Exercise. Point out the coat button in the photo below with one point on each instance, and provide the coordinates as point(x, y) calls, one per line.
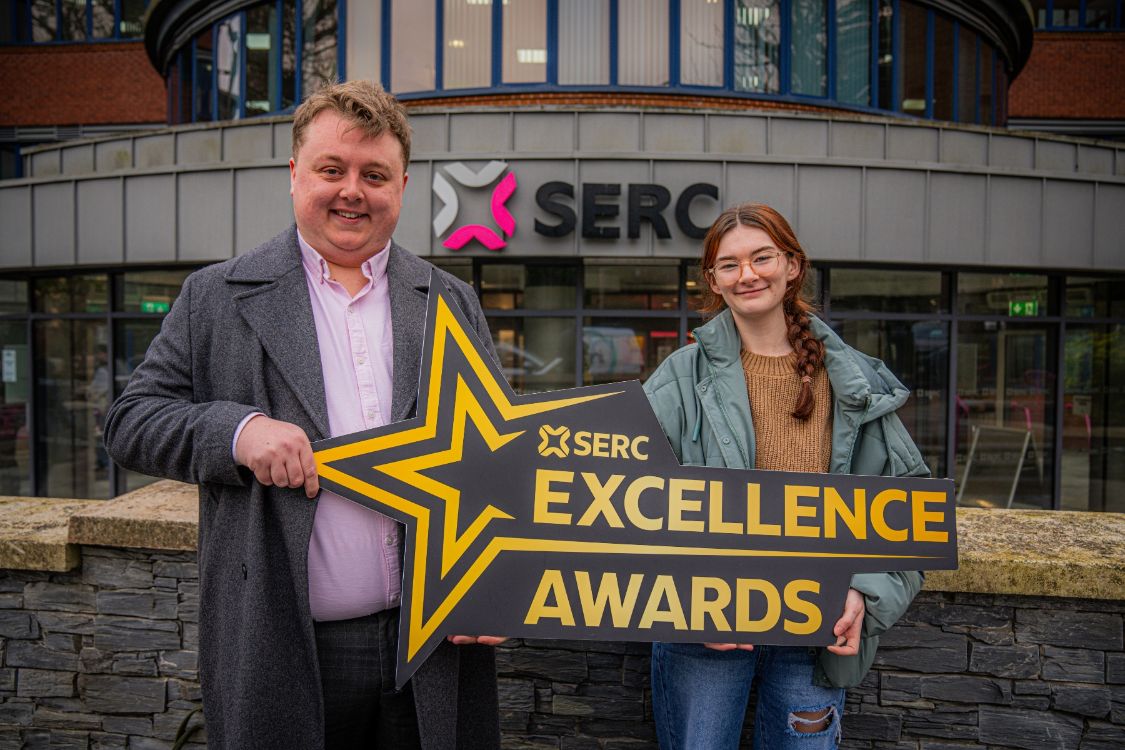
point(390, 540)
point(726, 441)
point(702, 389)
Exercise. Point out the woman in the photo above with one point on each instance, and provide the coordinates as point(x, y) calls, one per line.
point(769, 386)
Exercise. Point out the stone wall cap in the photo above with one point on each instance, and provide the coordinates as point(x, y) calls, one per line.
point(34, 533)
point(163, 515)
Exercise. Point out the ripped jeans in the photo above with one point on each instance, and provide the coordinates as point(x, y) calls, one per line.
point(699, 698)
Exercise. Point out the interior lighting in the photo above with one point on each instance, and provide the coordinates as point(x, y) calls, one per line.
point(914, 104)
point(531, 55)
point(258, 40)
point(458, 43)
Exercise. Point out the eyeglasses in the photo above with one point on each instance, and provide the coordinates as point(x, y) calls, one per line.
point(762, 264)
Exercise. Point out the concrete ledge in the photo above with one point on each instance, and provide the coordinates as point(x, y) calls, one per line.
point(164, 515)
point(34, 532)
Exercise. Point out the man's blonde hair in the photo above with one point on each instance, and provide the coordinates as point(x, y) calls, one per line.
point(364, 104)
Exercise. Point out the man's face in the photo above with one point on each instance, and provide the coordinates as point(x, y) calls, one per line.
point(347, 189)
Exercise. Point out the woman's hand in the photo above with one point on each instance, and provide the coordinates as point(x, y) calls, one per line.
point(484, 640)
point(849, 626)
point(730, 646)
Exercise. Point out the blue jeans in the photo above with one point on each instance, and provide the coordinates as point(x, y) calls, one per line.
point(699, 697)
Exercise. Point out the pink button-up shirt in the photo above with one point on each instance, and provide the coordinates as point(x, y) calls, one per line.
point(354, 566)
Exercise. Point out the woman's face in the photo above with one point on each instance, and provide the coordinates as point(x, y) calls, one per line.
point(750, 273)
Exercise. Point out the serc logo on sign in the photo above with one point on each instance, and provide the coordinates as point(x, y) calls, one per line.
point(466, 233)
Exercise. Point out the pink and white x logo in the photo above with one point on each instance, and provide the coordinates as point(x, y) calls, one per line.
point(470, 179)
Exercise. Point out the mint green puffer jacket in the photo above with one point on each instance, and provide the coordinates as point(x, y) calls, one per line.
point(699, 396)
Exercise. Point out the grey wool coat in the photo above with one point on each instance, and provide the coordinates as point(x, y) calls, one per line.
point(240, 338)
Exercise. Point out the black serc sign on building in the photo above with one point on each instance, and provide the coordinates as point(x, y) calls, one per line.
point(601, 206)
point(567, 515)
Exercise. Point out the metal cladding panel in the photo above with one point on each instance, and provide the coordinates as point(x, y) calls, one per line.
point(427, 134)
point(673, 134)
point(46, 163)
point(792, 137)
point(155, 151)
point(1095, 160)
point(413, 230)
point(114, 155)
point(544, 132)
point(703, 210)
point(1056, 156)
point(525, 240)
point(54, 223)
point(857, 140)
point(247, 143)
point(906, 143)
point(205, 207)
point(263, 207)
point(1120, 161)
point(283, 140)
point(1011, 151)
point(480, 133)
point(895, 215)
point(957, 218)
point(78, 160)
point(736, 134)
point(1068, 224)
point(1109, 227)
point(963, 147)
point(15, 217)
point(199, 146)
point(829, 211)
point(609, 132)
point(616, 173)
point(772, 184)
point(150, 218)
point(101, 237)
point(1014, 210)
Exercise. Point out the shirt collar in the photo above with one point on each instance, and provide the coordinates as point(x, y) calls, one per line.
point(316, 267)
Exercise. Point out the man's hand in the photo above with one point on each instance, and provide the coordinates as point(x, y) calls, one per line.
point(484, 640)
point(279, 453)
point(849, 626)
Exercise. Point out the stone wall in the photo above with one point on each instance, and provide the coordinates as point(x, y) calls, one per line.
point(100, 657)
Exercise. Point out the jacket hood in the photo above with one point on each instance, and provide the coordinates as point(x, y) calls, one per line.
point(858, 380)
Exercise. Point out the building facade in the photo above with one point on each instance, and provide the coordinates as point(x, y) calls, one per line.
point(568, 156)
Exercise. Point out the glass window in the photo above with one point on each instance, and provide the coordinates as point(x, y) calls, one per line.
point(13, 296)
point(1016, 295)
point(318, 44)
point(584, 42)
point(10, 29)
point(525, 41)
point(102, 18)
point(44, 21)
point(73, 17)
point(1099, 14)
point(885, 290)
point(757, 36)
point(966, 75)
point(917, 352)
point(701, 43)
point(71, 294)
point(888, 94)
point(150, 291)
point(132, 13)
point(853, 51)
point(943, 68)
point(201, 81)
point(536, 354)
point(228, 61)
point(632, 286)
point(72, 391)
point(808, 48)
point(1005, 414)
point(1039, 9)
point(131, 341)
point(468, 45)
point(288, 53)
point(913, 53)
point(1064, 13)
point(1001, 92)
point(261, 63)
point(642, 42)
point(462, 268)
point(412, 46)
point(528, 286)
point(1095, 297)
point(1093, 444)
point(693, 285)
point(15, 467)
point(616, 349)
point(987, 55)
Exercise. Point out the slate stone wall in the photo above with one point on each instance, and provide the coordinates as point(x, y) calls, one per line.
point(105, 657)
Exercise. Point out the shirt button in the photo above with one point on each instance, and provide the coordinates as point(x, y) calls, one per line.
point(360, 360)
point(390, 540)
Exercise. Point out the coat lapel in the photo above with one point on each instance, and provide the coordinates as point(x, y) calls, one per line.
point(408, 281)
point(275, 304)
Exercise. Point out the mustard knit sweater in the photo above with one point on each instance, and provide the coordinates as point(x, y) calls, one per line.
point(785, 443)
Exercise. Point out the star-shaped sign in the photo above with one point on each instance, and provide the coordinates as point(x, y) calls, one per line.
point(566, 515)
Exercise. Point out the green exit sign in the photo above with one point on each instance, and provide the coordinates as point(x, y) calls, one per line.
point(1023, 308)
point(154, 306)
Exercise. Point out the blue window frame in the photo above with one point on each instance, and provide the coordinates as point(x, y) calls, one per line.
point(20, 25)
point(1080, 15)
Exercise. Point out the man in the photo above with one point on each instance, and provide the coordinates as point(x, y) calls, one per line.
point(316, 333)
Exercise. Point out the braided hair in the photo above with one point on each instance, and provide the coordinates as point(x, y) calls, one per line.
point(809, 349)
